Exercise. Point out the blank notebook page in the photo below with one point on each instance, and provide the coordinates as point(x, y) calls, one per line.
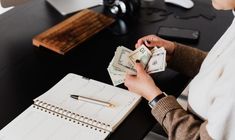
point(56, 116)
point(34, 124)
point(123, 100)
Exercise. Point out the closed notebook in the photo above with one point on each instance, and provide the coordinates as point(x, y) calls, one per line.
point(56, 116)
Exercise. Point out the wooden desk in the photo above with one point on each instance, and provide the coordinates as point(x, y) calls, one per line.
point(27, 71)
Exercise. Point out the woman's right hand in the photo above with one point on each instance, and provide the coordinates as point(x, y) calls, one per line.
point(153, 40)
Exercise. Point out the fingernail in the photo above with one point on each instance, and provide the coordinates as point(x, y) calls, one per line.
point(137, 61)
point(145, 42)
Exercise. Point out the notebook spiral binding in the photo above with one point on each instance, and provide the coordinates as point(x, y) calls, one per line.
point(70, 116)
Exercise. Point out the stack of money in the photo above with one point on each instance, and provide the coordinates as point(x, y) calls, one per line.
point(124, 61)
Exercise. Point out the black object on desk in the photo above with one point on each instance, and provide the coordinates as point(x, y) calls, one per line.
point(178, 34)
point(119, 27)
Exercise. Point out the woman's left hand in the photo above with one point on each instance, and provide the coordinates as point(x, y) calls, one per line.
point(142, 83)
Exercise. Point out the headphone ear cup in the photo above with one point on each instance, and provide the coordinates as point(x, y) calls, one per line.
point(132, 6)
point(121, 8)
point(114, 10)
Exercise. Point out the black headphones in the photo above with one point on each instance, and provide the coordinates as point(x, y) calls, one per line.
point(121, 8)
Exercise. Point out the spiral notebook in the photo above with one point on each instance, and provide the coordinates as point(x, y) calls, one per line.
point(56, 116)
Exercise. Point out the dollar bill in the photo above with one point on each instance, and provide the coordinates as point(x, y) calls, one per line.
point(117, 75)
point(124, 61)
point(143, 54)
point(157, 63)
point(116, 79)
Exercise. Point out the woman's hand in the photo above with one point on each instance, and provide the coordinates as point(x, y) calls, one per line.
point(142, 83)
point(153, 40)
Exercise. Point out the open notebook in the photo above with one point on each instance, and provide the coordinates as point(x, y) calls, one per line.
point(56, 116)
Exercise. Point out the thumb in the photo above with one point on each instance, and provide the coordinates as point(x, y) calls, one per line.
point(139, 68)
point(148, 43)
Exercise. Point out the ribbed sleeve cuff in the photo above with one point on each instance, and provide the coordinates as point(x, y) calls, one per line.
point(163, 106)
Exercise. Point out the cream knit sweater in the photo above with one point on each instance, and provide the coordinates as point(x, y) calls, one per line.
point(211, 93)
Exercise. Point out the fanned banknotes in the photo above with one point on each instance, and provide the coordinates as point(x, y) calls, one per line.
point(124, 61)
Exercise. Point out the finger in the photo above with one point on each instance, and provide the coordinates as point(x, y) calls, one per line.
point(130, 72)
point(139, 43)
point(146, 39)
point(139, 68)
point(129, 75)
point(147, 43)
point(150, 40)
point(129, 79)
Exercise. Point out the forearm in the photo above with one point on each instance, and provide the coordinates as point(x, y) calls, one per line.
point(186, 60)
point(178, 123)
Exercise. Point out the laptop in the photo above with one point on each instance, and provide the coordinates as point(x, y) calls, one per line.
point(10, 3)
point(69, 6)
point(6, 5)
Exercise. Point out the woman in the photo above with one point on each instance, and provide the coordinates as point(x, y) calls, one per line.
point(211, 93)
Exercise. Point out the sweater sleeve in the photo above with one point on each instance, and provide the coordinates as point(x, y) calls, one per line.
point(187, 60)
point(178, 123)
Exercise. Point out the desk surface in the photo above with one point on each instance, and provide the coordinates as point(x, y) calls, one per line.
point(26, 71)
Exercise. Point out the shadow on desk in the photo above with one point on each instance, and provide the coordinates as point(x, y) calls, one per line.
point(171, 82)
point(157, 133)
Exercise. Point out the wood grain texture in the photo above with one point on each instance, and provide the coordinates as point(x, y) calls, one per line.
point(73, 31)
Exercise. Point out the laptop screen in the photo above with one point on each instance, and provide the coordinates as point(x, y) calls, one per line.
point(69, 6)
